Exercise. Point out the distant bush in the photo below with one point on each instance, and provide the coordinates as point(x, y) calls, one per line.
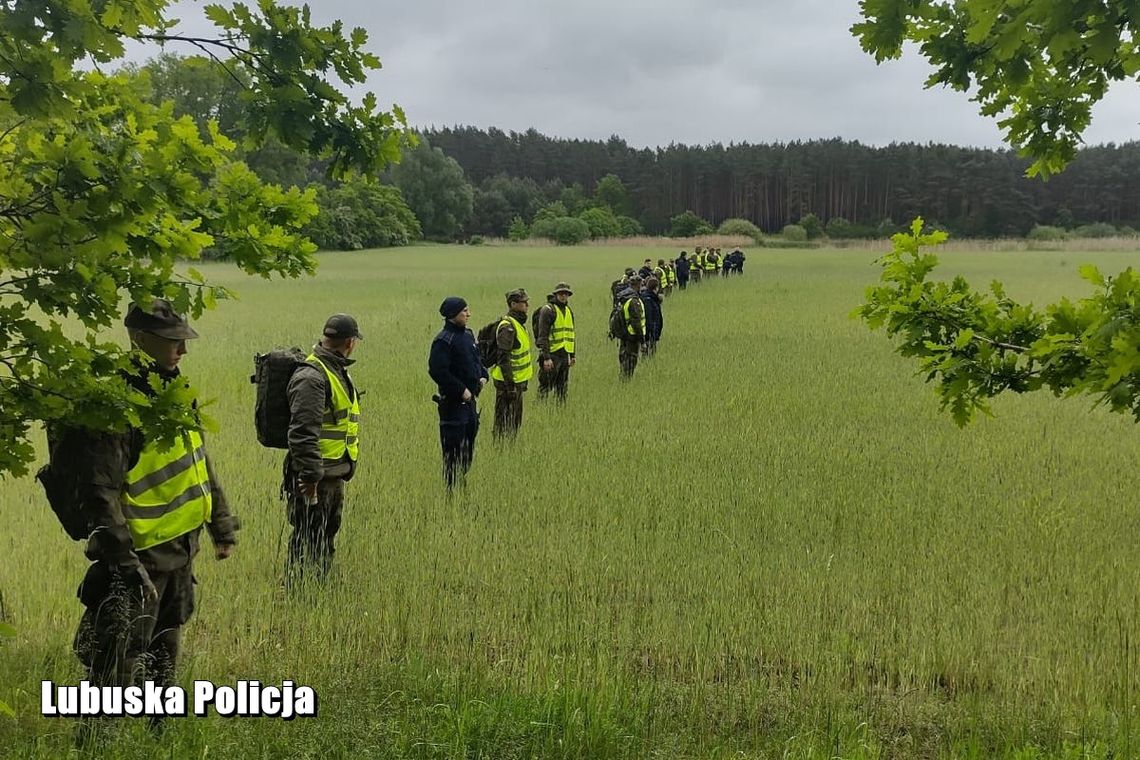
point(794, 233)
point(688, 224)
point(565, 230)
point(739, 227)
point(1097, 230)
point(554, 210)
point(518, 229)
point(570, 231)
point(475, 240)
point(1127, 231)
point(838, 227)
point(361, 214)
point(1045, 233)
point(812, 225)
point(629, 226)
point(601, 221)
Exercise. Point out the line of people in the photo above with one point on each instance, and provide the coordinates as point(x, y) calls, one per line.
point(141, 503)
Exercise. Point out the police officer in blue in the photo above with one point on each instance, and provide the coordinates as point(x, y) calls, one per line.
point(455, 367)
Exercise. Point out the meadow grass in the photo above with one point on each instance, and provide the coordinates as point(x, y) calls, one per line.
point(768, 544)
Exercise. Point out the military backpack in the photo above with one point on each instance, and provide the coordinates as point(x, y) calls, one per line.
point(271, 374)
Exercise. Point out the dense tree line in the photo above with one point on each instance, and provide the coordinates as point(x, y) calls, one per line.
point(969, 191)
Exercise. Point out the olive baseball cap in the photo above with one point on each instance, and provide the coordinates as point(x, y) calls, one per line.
point(161, 320)
point(341, 326)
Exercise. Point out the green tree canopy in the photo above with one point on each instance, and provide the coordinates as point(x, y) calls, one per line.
point(1037, 65)
point(435, 188)
point(102, 191)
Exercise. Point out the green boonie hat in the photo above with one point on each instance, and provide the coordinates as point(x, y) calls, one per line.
point(516, 295)
point(161, 320)
point(562, 288)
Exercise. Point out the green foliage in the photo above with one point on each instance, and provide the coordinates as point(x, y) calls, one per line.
point(1064, 219)
point(102, 192)
point(688, 224)
point(629, 227)
point(794, 233)
point(1097, 230)
point(611, 193)
point(435, 188)
point(1039, 67)
point(812, 225)
point(1046, 233)
point(601, 222)
point(977, 345)
point(838, 228)
point(569, 230)
point(475, 240)
point(553, 210)
point(573, 197)
point(739, 227)
point(518, 229)
point(362, 214)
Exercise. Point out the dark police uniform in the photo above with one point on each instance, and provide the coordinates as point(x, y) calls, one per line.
point(454, 365)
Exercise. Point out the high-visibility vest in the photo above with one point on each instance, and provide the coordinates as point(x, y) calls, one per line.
point(659, 273)
point(562, 332)
point(167, 493)
point(521, 367)
point(340, 426)
point(700, 258)
point(671, 273)
point(629, 320)
point(710, 263)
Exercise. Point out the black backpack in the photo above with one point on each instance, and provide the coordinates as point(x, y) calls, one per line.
point(488, 342)
point(617, 321)
point(271, 374)
point(60, 479)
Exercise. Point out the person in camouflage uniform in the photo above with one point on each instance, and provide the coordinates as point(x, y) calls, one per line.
point(324, 415)
point(515, 366)
point(555, 340)
point(146, 505)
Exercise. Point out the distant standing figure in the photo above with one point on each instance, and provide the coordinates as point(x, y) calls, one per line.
point(515, 367)
point(554, 338)
point(459, 375)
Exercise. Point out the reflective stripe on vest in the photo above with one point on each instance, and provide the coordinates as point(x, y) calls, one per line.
point(340, 425)
point(562, 333)
point(629, 320)
point(167, 493)
point(521, 367)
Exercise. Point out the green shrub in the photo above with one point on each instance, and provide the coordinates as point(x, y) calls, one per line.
point(688, 224)
point(812, 225)
point(554, 210)
point(601, 221)
point(518, 229)
point(739, 227)
point(1097, 230)
point(1045, 232)
point(630, 227)
point(794, 233)
point(361, 214)
point(475, 240)
point(570, 231)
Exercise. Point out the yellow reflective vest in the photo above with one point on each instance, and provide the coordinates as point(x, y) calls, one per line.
point(340, 426)
point(521, 367)
point(167, 493)
point(629, 326)
point(562, 332)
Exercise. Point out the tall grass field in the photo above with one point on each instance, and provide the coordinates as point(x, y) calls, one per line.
point(769, 543)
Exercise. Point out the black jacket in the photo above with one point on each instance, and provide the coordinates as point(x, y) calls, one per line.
point(654, 320)
point(454, 365)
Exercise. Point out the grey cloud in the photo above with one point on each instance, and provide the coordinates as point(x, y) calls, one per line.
point(663, 71)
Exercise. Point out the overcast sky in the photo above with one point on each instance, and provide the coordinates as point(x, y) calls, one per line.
point(662, 71)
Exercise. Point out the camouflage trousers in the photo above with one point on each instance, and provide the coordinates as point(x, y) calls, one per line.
point(628, 351)
point(508, 409)
point(557, 379)
point(124, 639)
point(311, 545)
